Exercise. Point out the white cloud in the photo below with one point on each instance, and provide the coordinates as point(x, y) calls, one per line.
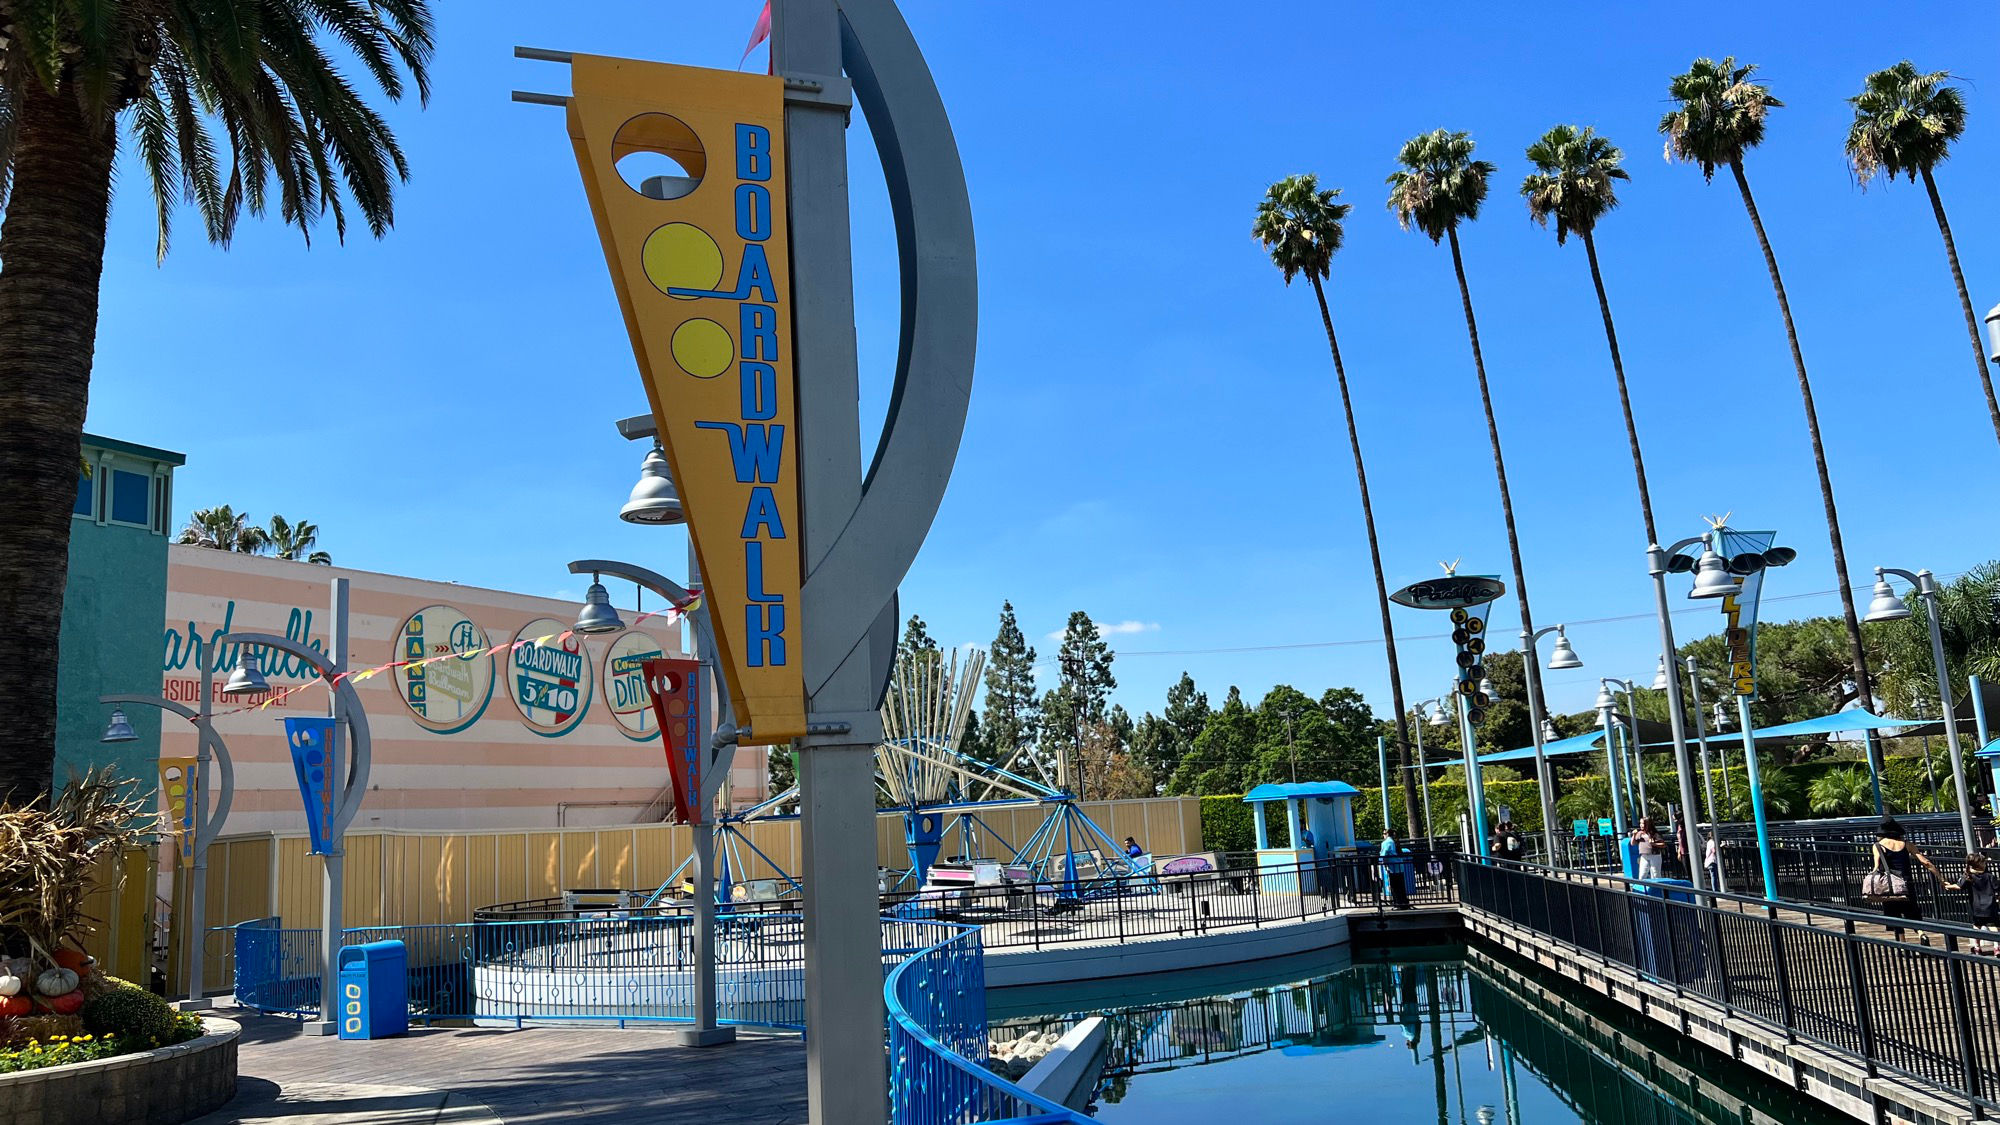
point(1115, 629)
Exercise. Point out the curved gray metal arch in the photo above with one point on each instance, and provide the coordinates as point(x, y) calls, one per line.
point(906, 480)
point(205, 731)
point(345, 699)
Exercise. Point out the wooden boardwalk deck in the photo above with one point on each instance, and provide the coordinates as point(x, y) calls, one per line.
point(578, 1076)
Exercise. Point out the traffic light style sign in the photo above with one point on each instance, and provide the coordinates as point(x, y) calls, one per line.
point(702, 264)
point(1468, 633)
point(177, 783)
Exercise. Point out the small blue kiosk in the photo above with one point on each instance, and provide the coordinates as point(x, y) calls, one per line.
point(1324, 807)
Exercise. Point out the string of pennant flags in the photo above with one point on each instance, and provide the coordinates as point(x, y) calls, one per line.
point(672, 615)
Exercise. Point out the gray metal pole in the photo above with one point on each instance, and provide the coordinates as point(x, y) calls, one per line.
point(1616, 782)
point(1423, 774)
point(335, 861)
point(1757, 797)
point(1707, 776)
point(1656, 563)
point(1475, 782)
point(707, 1030)
point(1632, 744)
point(1547, 782)
point(197, 883)
point(1927, 591)
point(846, 1069)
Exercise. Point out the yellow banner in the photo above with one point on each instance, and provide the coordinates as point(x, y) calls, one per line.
point(702, 268)
point(177, 785)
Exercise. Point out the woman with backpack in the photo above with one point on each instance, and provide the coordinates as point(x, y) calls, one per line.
point(1889, 883)
point(1980, 889)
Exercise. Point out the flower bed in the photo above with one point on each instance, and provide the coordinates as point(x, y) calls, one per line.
point(162, 1086)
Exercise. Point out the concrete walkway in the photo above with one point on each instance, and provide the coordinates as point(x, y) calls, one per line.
point(484, 1076)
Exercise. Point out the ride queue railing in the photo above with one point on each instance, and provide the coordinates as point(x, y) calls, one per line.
point(1150, 905)
point(1929, 1013)
point(935, 998)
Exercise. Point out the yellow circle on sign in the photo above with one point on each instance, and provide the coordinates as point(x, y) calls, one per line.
point(703, 348)
point(679, 256)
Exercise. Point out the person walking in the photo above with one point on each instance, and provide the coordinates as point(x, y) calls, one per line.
point(1652, 848)
point(1889, 883)
point(1983, 909)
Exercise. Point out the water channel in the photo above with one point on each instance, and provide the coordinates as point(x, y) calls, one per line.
point(1452, 1036)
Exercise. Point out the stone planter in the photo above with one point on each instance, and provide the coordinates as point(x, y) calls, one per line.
point(161, 1087)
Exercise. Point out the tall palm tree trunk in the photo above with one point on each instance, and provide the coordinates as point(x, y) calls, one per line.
point(1856, 654)
point(1530, 668)
point(1624, 395)
point(1381, 584)
point(1964, 302)
point(52, 247)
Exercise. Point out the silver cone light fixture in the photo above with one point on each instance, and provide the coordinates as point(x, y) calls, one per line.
point(1712, 578)
point(1660, 680)
point(119, 729)
point(1885, 605)
point(654, 499)
point(1564, 657)
point(598, 614)
point(247, 679)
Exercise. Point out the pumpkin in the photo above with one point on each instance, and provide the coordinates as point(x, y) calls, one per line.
point(10, 985)
point(15, 1006)
point(75, 960)
point(56, 982)
point(67, 1004)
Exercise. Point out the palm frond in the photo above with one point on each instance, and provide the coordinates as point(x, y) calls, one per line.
point(1719, 116)
point(1439, 185)
point(1299, 224)
point(1905, 122)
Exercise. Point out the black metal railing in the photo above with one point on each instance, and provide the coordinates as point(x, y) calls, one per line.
point(1926, 1012)
point(1157, 905)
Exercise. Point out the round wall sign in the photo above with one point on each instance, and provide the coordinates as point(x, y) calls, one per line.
point(449, 695)
point(550, 676)
point(625, 684)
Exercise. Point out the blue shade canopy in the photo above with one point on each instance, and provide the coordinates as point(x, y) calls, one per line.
point(1990, 750)
point(1840, 722)
point(1294, 791)
point(1575, 744)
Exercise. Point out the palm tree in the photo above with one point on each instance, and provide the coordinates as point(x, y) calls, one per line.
point(1575, 183)
point(220, 98)
point(225, 529)
point(1301, 227)
point(1904, 125)
point(1720, 117)
point(293, 541)
point(1846, 791)
point(1438, 187)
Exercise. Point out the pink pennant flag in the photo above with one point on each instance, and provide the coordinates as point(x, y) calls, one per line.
point(758, 33)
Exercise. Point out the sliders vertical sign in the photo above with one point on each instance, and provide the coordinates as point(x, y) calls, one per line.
point(701, 264)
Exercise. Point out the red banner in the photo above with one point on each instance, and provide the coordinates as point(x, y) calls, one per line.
point(675, 688)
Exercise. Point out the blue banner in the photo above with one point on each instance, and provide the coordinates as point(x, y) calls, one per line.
point(309, 737)
point(1739, 610)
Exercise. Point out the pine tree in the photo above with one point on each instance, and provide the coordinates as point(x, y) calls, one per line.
point(1013, 717)
point(1084, 680)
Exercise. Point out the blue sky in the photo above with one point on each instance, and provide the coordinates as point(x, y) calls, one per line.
point(1155, 436)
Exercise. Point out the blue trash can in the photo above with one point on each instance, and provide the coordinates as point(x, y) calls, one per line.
point(374, 990)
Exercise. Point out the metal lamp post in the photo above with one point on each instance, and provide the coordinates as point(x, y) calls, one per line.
point(1707, 775)
point(1634, 765)
point(1886, 606)
point(1437, 719)
point(1605, 705)
point(1713, 579)
point(1564, 657)
point(207, 823)
point(348, 754)
point(599, 617)
point(1658, 565)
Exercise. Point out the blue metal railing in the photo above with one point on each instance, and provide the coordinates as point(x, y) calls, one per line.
point(936, 1002)
point(276, 970)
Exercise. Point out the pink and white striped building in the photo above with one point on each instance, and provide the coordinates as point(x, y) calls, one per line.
point(557, 734)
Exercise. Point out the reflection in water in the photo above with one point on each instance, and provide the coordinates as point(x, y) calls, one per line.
point(1453, 1042)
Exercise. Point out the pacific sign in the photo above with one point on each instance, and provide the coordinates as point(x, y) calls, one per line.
point(701, 265)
